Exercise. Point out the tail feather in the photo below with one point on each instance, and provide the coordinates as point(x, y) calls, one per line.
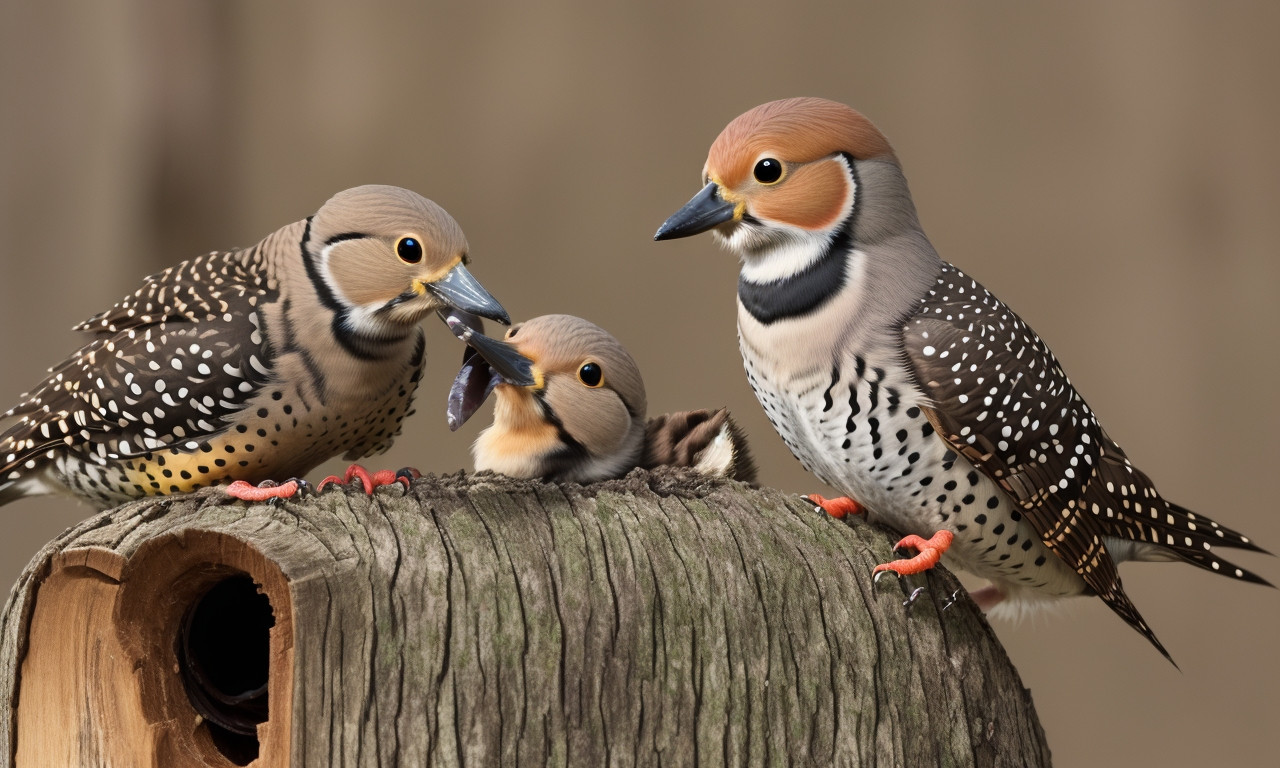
point(1118, 601)
point(1184, 535)
point(1216, 533)
point(10, 491)
point(1209, 562)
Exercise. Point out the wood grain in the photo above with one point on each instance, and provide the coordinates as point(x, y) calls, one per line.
point(661, 619)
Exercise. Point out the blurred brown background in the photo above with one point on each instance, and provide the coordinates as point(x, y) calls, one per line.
point(1112, 170)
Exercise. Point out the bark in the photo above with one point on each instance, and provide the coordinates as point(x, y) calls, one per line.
point(662, 619)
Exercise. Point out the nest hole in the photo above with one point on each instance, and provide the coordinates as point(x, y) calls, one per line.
point(224, 659)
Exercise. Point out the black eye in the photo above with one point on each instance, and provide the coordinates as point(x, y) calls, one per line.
point(768, 171)
point(591, 375)
point(409, 250)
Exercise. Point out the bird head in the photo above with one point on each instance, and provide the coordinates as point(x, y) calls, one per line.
point(570, 400)
point(779, 175)
point(384, 258)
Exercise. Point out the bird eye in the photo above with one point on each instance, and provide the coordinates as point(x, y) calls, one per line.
point(591, 375)
point(768, 171)
point(409, 250)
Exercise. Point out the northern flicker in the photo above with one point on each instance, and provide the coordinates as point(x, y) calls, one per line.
point(249, 364)
point(900, 380)
point(571, 406)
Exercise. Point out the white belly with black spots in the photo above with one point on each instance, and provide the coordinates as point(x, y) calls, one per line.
point(859, 428)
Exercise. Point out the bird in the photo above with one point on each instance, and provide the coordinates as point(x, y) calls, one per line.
point(900, 380)
point(249, 364)
point(571, 407)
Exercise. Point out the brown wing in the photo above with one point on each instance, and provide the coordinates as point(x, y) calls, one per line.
point(1000, 398)
point(708, 441)
point(203, 289)
point(166, 369)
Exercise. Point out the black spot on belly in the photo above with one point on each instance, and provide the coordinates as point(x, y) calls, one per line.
point(827, 402)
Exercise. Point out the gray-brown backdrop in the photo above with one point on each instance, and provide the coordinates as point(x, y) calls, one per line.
point(1112, 170)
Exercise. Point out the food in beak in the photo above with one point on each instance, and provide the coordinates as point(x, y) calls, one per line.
point(485, 364)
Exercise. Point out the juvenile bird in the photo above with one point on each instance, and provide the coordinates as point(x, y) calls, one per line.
point(900, 380)
point(249, 364)
point(571, 406)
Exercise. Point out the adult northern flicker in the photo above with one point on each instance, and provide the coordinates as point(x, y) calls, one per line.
point(249, 364)
point(571, 406)
point(900, 380)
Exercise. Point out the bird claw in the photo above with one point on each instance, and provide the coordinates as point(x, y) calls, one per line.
point(403, 476)
point(875, 579)
point(268, 490)
point(930, 550)
point(838, 508)
point(911, 599)
point(406, 475)
point(952, 599)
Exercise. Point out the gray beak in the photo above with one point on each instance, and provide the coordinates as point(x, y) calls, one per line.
point(705, 211)
point(460, 290)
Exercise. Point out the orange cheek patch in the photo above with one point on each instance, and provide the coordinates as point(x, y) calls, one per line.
point(523, 430)
point(813, 198)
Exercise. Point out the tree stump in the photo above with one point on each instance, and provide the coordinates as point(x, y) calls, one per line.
point(665, 618)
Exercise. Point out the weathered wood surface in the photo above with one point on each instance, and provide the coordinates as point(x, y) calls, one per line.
point(663, 619)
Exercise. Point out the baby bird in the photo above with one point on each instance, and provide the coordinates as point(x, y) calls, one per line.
point(249, 364)
point(571, 407)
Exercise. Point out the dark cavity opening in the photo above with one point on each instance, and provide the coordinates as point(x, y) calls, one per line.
point(224, 657)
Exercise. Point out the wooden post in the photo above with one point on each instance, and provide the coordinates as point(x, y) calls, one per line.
point(663, 618)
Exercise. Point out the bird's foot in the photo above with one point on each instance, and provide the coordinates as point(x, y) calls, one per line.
point(404, 476)
point(930, 553)
point(267, 490)
point(837, 507)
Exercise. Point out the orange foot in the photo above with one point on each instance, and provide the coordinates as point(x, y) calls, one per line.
point(930, 553)
point(266, 490)
point(380, 478)
point(838, 507)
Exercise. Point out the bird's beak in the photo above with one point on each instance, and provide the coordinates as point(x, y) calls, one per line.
point(461, 291)
point(706, 210)
point(486, 364)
